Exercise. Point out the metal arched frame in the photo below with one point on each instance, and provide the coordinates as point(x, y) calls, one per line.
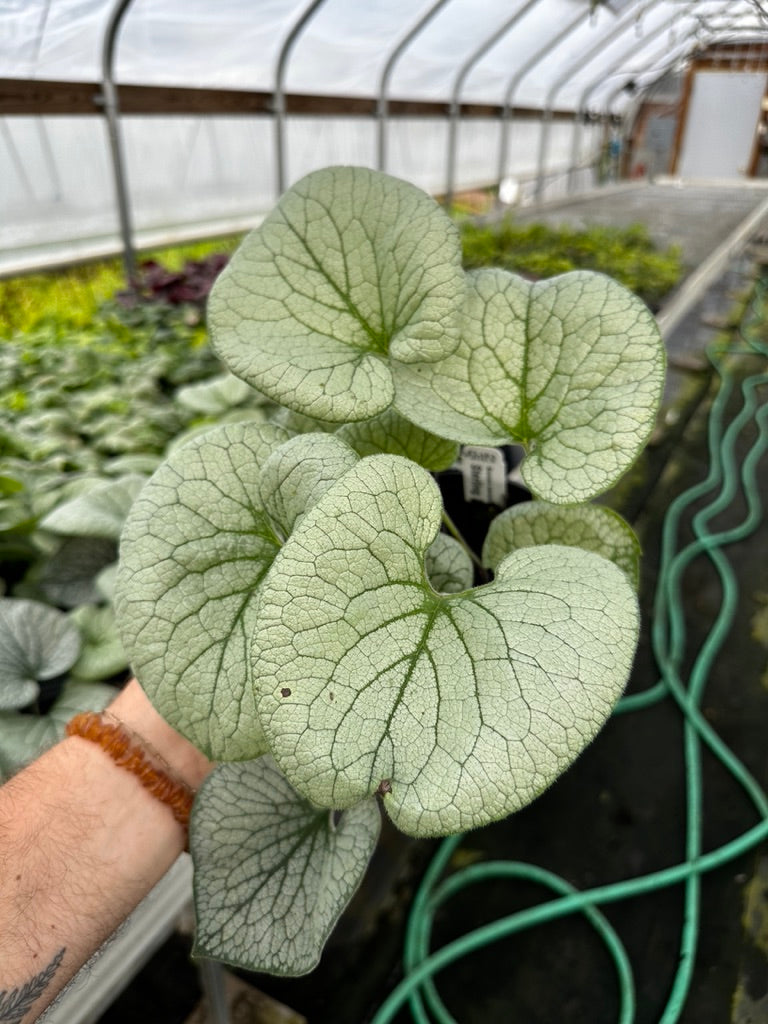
point(510, 94)
point(382, 102)
point(111, 106)
point(629, 115)
point(625, 23)
point(279, 92)
point(707, 37)
point(458, 83)
point(682, 52)
point(42, 130)
point(111, 110)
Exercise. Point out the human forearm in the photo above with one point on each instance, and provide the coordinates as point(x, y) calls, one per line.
point(81, 843)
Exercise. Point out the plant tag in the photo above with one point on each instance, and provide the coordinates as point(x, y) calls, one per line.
point(485, 475)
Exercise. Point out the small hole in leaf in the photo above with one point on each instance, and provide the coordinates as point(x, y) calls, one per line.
point(285, 692)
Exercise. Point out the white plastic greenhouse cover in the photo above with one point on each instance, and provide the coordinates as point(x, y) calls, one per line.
point(56, 182)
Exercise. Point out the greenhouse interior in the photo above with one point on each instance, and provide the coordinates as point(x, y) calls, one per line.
point(384, 593)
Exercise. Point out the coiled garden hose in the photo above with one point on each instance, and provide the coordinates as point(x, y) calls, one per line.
point(668, 635)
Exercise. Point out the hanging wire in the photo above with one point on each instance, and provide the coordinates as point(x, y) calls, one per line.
point(726, 481)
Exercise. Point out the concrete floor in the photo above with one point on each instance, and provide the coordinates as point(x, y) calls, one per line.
point(697, 217)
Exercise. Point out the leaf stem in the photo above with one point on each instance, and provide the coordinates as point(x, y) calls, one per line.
point(454, 531)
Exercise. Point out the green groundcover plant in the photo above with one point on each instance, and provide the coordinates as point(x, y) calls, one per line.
point(61, 303)
point(540, 250)
point(286, 593)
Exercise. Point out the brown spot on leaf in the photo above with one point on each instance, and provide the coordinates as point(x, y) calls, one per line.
point(285, 692)
point(385, 786)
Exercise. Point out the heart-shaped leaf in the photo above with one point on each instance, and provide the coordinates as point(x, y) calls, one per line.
point(299, 473)
point(298, 423)
point(185, 436)
point(25, 737)
point(105, 582)
point(69, 576)
point(102, 653)
point(36, 643)
point(99, 512)
point(132, 465)
point(195, 546)
point(392, 433)
point(592, 527)
point(213, 397)
point(272, 873)
point(351, 268)
point(458, 708)
point(572, 368)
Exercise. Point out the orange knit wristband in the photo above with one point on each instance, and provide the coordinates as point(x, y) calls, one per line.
point(131, 752)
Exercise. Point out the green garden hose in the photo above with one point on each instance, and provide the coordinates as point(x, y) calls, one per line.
point(725, 480)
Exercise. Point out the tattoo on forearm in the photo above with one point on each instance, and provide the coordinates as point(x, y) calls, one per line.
point(17, 1002)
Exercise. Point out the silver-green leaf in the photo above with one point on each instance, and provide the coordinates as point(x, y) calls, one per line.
point(25, 737)
point(353, 269)
point(99, 512)
point(195, 546)
point(459, 708)
point(572, 368)
point(102, 653)
point(296, 475)
point(592, 527)
point(37, 642)
point(448, 565)
point(392, 433)
point(68, 577)
point(272, 872)
point(215, 396)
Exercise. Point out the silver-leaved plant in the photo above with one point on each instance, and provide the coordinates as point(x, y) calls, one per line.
point(285, 593)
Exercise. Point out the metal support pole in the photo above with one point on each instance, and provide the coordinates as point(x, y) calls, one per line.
point(18, 163)
point(382, 103)
point(455, 107)
point(619, 29)
point(514, 82)
point(50, 161)
point(186, 162)
point(279, 93)
point(42, 130)
point(112, 113)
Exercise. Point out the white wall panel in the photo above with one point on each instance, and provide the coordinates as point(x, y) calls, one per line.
point(184, 171)
point(720, 125)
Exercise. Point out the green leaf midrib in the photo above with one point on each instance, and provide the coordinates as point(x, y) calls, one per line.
point(522, 432)
point(379, 339)
point(310, 833)
point(413, 658)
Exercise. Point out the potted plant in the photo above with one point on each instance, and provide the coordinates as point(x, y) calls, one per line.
point(293, 597)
